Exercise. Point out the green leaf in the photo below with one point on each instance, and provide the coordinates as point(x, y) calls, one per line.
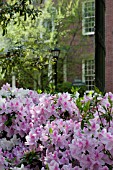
point(74, 89)
point(86, 106)
point(8, 122)
point(2, 50)
point(39, 91)
point(79, 104)
point(47, 167)
point(96, 89)
point(50, 130)
point(82, 124)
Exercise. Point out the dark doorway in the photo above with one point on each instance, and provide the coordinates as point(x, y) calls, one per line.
point(100, 44)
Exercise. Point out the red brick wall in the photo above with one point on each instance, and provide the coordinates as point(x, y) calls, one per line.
point(109, 46)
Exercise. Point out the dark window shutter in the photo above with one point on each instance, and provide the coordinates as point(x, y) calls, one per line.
point(100, 44)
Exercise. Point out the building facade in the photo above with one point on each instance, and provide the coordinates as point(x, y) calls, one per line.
point(81, 59)
point(109, 46)
point(87, 67)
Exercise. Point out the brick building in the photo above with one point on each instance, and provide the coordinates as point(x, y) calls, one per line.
point(87, 65)
point(109, 46)
point(80, 60)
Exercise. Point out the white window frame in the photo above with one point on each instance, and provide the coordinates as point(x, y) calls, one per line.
point(83, 20)
point(91, 73)
point(52, 29)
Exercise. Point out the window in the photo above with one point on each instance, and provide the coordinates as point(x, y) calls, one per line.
point(48, 28)
point(88, 73)
point(88, 21)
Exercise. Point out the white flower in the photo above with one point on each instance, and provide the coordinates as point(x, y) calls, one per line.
point(9, 144)
point(21, 168)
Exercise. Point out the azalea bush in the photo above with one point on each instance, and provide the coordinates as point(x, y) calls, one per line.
point(55, 132)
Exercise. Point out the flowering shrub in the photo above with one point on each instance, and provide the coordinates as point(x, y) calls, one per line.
point(55, 132)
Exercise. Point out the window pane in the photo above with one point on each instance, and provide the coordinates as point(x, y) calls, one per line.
point(89, 73)
point(88, 17)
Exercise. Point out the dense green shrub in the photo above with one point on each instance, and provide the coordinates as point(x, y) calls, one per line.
point(64, 87)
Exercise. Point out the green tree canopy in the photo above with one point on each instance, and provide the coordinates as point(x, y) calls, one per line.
point(31, 28)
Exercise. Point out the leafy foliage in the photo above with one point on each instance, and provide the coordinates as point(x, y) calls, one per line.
point(11, 8)
point(32, 30)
